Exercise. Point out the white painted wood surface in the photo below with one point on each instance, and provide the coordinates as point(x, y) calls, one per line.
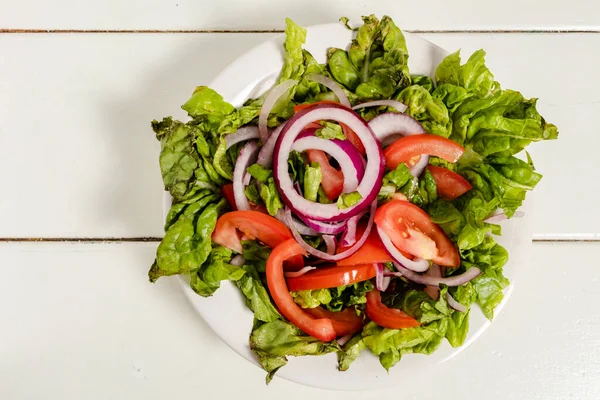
point(268, 14)
point(81, 321)
point(76, 112)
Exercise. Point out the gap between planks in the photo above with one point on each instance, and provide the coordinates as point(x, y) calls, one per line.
point(212, 31)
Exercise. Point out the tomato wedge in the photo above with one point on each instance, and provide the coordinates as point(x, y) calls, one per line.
point(227, 191)
point(344, 322)
point(411, 230)
point(382, 315)
point(321, 328)
point(408, 149)
point(449, 184)
point(329, 277)
point(354, 139)
point(372, 252)
point(333, 180)
point(253, 224)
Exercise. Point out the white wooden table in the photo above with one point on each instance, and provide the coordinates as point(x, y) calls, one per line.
point(79, 83)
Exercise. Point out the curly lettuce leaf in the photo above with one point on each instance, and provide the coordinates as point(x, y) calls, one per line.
point(274, 341)
point(187, 243)
point(216, 269)
point(257, 297)
point(312, 181)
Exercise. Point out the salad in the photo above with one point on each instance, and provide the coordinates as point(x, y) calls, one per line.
point(354, 205)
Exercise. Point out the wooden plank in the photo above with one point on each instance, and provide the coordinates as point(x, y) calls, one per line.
point(76, 112)
point(82, 321)
point(267, 15)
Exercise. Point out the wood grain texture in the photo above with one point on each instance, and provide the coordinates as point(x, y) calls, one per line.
point(76, 112)
point(82, 321)
point(435, 15)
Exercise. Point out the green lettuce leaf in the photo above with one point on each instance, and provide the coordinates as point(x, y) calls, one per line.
point(312, 298)
point(312, 181)
point(330, 131)
point(216, 269)
point(257, 297)
point(187, 243)
point(272, 342)
point(346, 200)
point(430, 111)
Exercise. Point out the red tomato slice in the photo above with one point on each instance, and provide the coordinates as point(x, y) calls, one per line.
point(329, 277)
point(321, 328)
point(300, 107)
point(372, 252)
point(227, 191)
point(382, 315)
point(449, 184)
point(354, 139)
point(333, 180)
point(344, 322)
point(408, 149)
point(411, 230)
point(255, 225)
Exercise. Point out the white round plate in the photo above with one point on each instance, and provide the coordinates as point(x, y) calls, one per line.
point(226, 313)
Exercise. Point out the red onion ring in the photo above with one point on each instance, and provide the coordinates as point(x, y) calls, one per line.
point(349, 237)
point(331, 85)
point(298, 273)
point(238, 260)
point(389, 126)
point(368, 187)
point(324, 227)
point(265, 156)
point(268, 104)
point(417, 265)
point(340, 256)
point(330, 242)
point(455, 304)
point(381, 281)
point(433, 291)
point(241, 135)
point(347, 165)
point(344, 339)
point(347, 147)
point(500, 216)
point(455, 280)
point(246, 158)
point(389, 103)
point(297, 225)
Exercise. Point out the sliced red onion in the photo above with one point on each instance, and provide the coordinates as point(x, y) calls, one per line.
point(265, 156)
point(297, 225)
point(455, 304)
point(455, 280)
point(390, 126)
point(238, 260)
point(344, 339)
point(241, 135)
point(330, 242)
point(500, 216)
point(433, 291)
point(368, 187)
point(298, 273)
point(331, 85)
point(381, 281)
point(324, 227)
point(347, 165)
point(247, 178)
point(246, 158)
point(349, 237)
point(417, 265)
point(389, 103)
point(339, 256)
point(345, 145)
point(268, 105)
